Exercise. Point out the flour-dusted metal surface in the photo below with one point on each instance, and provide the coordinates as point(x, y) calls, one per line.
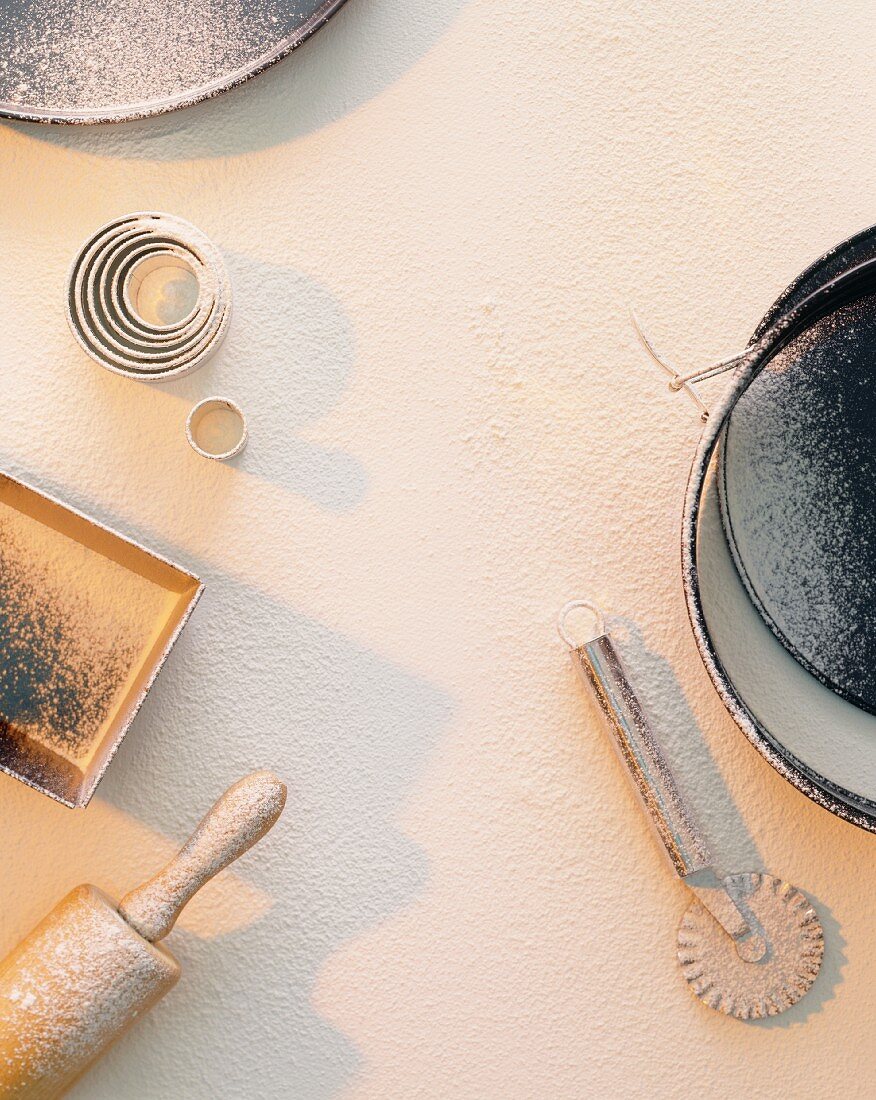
point(797, 479)
point(751, 945)
point(103, 312)
point(83, 61)
point(599, 666)
point(848, 288)
point(716, 974)
point(87, 619)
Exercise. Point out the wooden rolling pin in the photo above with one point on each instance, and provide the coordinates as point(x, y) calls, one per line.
point(84, 974)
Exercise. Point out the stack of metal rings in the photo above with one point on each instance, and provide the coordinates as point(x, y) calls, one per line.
point(149, 297)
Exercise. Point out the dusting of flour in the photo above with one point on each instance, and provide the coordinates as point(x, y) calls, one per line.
point(75, 627)
point(70, 989)
point(799, 498)
point(81, 54)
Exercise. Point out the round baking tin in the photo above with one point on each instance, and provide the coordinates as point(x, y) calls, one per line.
point(102, 310)
point(845, 274)
point(233, 49)
point(199, 412)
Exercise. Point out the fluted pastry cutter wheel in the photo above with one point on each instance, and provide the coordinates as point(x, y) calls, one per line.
point(749, 945)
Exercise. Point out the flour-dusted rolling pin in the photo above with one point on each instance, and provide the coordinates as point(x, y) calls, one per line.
point(91, 967)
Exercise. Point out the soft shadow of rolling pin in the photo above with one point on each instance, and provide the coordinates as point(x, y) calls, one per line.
point(750, 945)
point(83, 975)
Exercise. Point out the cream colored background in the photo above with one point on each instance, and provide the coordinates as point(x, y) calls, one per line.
point(435, 216)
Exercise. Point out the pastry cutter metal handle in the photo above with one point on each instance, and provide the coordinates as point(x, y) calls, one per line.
point(599, 666)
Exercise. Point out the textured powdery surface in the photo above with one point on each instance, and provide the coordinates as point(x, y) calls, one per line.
point(800, 494)
point(78, 54)
point(237, 820)
point(74, 627)
point(70, 988)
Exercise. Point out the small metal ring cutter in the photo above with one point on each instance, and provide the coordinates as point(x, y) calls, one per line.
point(218, 445)
point(749, 945)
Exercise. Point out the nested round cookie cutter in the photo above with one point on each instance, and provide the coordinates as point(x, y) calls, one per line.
point(148, 297)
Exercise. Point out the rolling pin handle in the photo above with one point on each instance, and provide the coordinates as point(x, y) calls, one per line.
point(237, 820)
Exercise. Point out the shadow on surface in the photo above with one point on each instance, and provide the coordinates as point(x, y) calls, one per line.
point(252, 683)
point(302, 369)
point(365, 48)
point(829, 978)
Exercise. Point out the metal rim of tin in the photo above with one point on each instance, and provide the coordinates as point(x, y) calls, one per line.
point(207, 405)
point(852, 284)
point(133, 111)
point(103, 316)
point(161, 654)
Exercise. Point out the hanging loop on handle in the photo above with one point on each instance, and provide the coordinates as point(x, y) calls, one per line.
point(574, 605)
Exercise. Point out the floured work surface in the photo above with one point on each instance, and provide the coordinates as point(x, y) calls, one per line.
point(86, 618)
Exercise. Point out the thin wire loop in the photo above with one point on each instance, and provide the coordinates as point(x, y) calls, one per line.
point(721, 367)
point(679, 381)
point(676, 380)
point(574, 605)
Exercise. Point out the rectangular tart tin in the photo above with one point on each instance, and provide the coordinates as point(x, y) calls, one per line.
point(87, 619)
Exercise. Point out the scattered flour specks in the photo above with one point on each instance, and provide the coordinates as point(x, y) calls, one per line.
point(75, 627)
point(69, 989)
point(799, 498)
point(80, 54)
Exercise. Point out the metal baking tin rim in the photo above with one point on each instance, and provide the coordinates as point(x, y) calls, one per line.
point(131, 112)
point(224, 456)
point(831, 796)
point(88, 792)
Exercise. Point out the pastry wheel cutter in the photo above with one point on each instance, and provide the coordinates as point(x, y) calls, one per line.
point(749, 945)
